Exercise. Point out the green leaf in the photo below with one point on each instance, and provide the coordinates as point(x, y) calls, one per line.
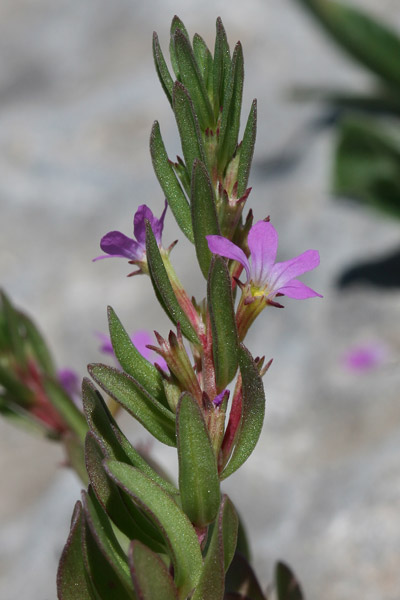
point(198, 473)
point(232, 104)
point(175, 25)
point(204, 61)
point(253, 409)
point(136, 401)
point(188, 126)
point(22, 394)
point(247, 150)
point(163, 73)
point(72, 581)
point(163, 287)
point(37, 344)
point(64, 405)
point(102, 532)
point(132, 361)
point(75, 456)
point(204, 214)
point(370, 42)
point(287, 585)
point(223, 323)
point(367, 165)
point(191, 78)
point(179, 533)
point(240, 579)
point(219, 554)
point(169, 182)
point(222, 65)
point(150, 575)
point(13, 328)
point(116, 445)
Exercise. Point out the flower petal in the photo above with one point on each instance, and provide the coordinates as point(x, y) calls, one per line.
point(298, 290)
point(220, 245)
point(116, 243)
point(263, 243)
point(142, 214)
point(283, 272)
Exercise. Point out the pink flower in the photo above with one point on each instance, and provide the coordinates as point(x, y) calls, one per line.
point(365, 357)
point(266, 277)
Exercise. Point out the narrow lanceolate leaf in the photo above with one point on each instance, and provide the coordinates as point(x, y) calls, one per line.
point(163, 287)
point(223, 323)
point(121, 510)
point(232, 104)
point(38, 345)
point(175, 25)
point(169, 182)
point(204, 214)
point(66, 408)
point(247, 150)
point(13, 328)
point(179, 533)
point(136, 401)
point(253, 409)
point(370, 42)
point(132, 361)
point(191, 78)
point(117, 446)
point(287, 585)
point(101, 530)
point(241, 581)
point(219, 554)
point(188, 126)
point(204, 61)
point(221, 67)
point(72, 581)
point(163, 73)
point(198, 474)
point(150, 576)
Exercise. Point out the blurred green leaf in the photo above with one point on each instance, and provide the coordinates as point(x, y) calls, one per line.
point(247, 150)
point(188, 126)
point(150, 575)
point(132, 361)
point(75, 456)
point(231, 107)
point(376, 101)
point(163, 73)
point(224, 331)
point(38, 345)
point(222, 65)
point(163, 287)
point(136, 401)
point(372, 43)
point(13, 333)
point(204, 214)
point(240, 579)
point(219, 554)
point(253, 409)
point(198, 473)
point(287, 585)
point(179, 533)
point(169, 182)
point(72, 583)
point(117, 446)
point(193, 81)
point(367, 165)
point(22, 394)
point(64, 405)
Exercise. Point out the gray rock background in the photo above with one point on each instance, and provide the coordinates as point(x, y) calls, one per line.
point(78, 95)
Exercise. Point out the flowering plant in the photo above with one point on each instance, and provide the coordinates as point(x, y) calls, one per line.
point(135, 533)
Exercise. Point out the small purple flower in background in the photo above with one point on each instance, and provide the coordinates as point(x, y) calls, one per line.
point(365, 357)
point(118, 244)
point(265, 277)
point(140, 339)
point(71, 382)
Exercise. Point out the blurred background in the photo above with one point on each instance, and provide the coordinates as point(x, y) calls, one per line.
point(78, 96)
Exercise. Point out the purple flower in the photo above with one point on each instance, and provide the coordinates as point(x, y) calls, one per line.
point(71, 383)
point(118, 244)
point(265, 277)
point(365, 357)
point(219, 399)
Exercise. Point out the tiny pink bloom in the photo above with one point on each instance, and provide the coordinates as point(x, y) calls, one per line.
point(266, 277)
point(118, 244)
point(365, 357)
point(71, 383)
point(219, 399)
